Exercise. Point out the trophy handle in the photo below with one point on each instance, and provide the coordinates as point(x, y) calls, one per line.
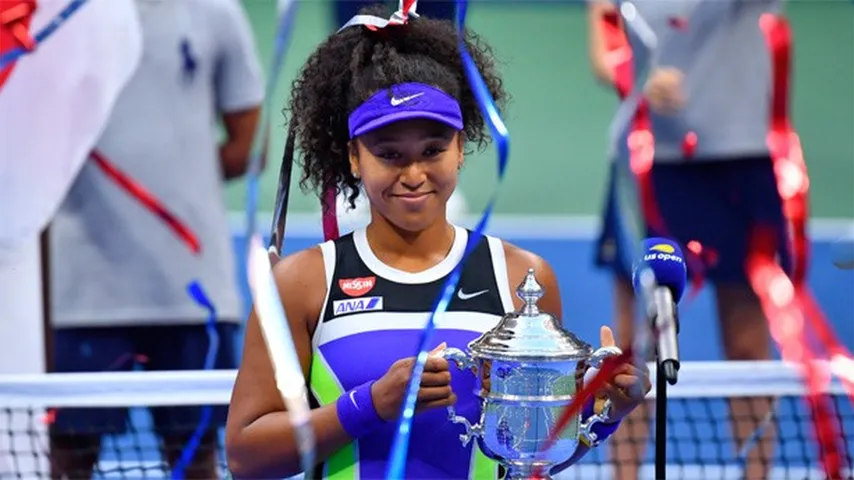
point(601, 354)
point(462, 362)
point(585, 428)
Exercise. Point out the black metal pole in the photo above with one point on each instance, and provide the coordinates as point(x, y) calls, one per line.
point(660, 422)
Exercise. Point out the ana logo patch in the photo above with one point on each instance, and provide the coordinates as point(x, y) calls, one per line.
point(356, 287)
point(367, 304)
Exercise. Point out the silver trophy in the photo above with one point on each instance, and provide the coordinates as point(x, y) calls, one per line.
point(528, 369)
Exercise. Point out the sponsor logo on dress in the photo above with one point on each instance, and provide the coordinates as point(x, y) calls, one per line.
point(356, 287)
point(354, 305)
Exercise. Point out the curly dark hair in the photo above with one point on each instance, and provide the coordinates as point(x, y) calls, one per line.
point(354, 64)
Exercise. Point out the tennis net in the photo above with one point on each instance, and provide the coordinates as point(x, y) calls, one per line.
point(699, 444)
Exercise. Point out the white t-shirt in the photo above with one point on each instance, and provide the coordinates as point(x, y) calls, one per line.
point(113, 262)
point(722, 52)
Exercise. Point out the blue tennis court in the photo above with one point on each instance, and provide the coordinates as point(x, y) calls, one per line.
point(700, 445)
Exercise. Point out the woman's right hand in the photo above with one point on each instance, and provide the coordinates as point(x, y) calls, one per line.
point(435, 391)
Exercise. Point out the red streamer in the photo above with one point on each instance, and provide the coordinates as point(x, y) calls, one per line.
point(793, 184)
point(329, 208)
point(790, 313)
point(584, 395)
point(15, 19)
point(780, 302)
point(148, 200)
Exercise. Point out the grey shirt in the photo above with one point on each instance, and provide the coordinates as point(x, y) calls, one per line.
point(727, 66)
point(115, 263)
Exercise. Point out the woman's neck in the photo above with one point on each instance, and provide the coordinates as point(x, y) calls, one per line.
point(410, 251)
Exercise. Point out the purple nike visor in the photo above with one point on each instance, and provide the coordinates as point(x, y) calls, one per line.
point(405, 101)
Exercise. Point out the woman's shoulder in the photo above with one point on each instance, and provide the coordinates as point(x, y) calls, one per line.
point(301, 281)
point(519, 262)
point(520, 258)
point(308, 262)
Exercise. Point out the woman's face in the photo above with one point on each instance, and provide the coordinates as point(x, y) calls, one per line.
point(409, 170)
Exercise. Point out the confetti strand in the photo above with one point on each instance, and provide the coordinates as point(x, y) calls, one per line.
point(287, 13)
point(267, 303)
point(584, 395)
point(16, 53)
point(780, 303)
point(198, 294)
point(787, 303)
point(147, 200)
point(501, 137)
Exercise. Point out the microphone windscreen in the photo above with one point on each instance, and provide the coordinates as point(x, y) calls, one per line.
point(665, 259)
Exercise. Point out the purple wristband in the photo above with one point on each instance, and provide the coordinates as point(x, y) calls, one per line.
point(602, 430)
point(356, 411)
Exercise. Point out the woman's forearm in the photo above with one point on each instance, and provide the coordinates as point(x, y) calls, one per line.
point(267, 447)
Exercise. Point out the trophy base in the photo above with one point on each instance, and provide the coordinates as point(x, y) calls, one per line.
point(518, 471)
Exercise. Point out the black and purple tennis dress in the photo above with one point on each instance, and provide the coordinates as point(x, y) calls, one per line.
point(373, 316)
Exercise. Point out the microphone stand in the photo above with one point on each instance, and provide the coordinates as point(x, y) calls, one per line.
point(666, 373)
point(662, 316)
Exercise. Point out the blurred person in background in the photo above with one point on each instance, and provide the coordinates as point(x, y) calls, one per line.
point(119, 275)
point(713, 79)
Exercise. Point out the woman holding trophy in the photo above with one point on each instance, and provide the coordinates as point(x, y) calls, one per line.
point(388, 111)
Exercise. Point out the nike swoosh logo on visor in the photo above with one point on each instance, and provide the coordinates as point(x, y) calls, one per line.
point(400, 101)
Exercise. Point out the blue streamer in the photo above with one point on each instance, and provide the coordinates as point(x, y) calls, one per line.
point(189, 451)
point(501, 136)
point(15, 54)
point(282, 40)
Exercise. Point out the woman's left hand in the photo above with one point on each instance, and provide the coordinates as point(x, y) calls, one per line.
point(627, 386)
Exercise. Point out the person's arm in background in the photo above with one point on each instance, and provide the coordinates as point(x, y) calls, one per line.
point(596, 44)
point(239, 87)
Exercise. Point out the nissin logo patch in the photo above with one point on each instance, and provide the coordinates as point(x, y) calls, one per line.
point(366, 304)
point(356, 287)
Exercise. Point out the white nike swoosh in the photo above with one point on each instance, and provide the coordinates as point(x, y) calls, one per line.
point(398, 101)
point(469, 296)
point(353, 399)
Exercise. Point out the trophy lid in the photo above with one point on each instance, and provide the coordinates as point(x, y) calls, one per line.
point(530, 334)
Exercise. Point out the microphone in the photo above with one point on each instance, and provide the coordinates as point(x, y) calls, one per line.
point(660, 279)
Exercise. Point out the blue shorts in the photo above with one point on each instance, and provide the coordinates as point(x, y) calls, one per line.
point(716, 203)
point(172, 347)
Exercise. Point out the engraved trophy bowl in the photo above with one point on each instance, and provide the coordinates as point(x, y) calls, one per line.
point(528, 369)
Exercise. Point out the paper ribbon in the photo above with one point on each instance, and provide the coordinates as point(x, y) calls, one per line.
point(405, 9)
point(794, 317)
point(15, 19)
point(147, 200)
point(198, 294)
point(29, 45)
